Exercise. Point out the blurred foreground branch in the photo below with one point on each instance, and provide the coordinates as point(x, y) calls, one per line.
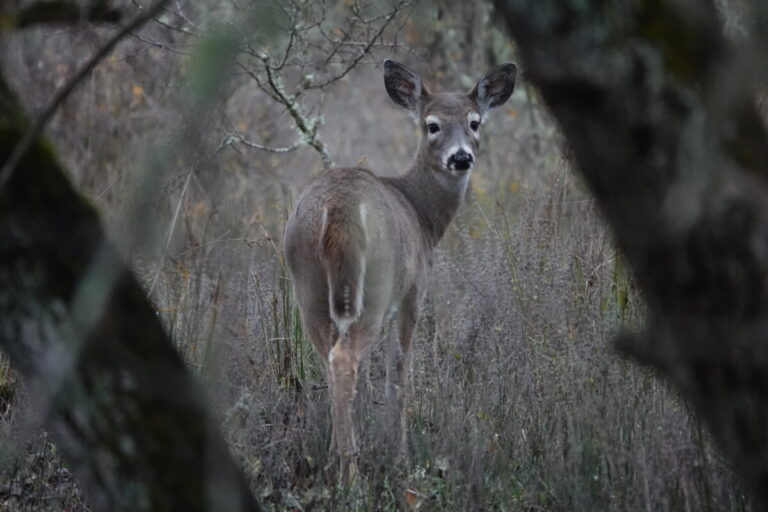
point(660, 112)
point(126, 414)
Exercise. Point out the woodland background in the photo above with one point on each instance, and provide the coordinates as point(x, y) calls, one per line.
point(519, 400)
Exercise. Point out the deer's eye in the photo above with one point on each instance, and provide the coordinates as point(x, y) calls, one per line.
point(474, 125)
point(433, 127)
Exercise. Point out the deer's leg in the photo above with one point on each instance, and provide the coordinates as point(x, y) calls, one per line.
point(365, 377)
point(393, 352)
point(390, 337)
point(322, 334)
point(402, 363)
point(343, 362)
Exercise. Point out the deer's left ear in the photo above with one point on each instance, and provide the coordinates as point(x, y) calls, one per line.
point(495, 88)
point(404, 86)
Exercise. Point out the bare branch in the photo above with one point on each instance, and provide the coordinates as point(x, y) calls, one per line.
point(158, 44)
point(268, 74)
point(236, 137)
point(367, 48)
point(307, 128)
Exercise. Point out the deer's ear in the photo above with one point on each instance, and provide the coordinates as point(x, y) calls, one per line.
point(495, 88)
point(404, 86)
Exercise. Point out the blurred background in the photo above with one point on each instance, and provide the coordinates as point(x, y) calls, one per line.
point(193, 139)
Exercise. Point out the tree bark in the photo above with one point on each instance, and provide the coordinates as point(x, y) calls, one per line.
point(126, 414)
point(659, 111)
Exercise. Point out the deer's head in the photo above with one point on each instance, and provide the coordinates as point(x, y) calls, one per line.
point(450, 122)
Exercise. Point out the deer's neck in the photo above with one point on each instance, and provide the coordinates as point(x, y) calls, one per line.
point(434, 195)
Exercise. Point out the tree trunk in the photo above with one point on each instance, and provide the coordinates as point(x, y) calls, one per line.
point(659, 111)
point(126, 414)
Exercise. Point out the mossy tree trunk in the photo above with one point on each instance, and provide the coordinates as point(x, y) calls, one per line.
point(660, 113)
point(126, 414)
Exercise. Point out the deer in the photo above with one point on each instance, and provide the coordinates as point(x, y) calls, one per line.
point(359, 247)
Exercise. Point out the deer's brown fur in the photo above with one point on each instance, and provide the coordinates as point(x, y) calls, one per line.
point(360, 247)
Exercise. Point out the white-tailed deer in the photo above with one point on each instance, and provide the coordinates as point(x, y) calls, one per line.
point(360, 246)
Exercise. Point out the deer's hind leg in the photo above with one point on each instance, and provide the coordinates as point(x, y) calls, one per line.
point(343, 363)
point(399, 359)
point(342, 377)
point(313, 305)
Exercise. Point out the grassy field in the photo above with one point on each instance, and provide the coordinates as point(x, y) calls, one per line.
point(518, 401)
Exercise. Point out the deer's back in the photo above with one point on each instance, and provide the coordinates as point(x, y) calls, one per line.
point(342, 200)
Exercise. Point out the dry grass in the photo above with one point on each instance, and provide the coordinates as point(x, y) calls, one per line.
point(518, 401)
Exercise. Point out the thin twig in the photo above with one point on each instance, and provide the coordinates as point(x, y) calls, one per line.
point(258, 81)
point(285, 149)
point(158, 44)
point(306, 127)
point(365, 50)
point(36, 129)
point(268, 76)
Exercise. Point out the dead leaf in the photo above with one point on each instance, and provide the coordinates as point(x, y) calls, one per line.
point(413, 498)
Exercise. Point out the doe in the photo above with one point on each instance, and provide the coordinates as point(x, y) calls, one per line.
point(360, 246)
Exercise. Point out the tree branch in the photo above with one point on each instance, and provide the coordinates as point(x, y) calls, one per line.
point(305, 25)
point(307, 128)
point(365, 50)
point(236, 137)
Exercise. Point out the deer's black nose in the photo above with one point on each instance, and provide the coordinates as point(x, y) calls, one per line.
point(460, 160)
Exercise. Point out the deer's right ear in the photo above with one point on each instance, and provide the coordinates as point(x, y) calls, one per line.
point(404, 86)
point(496, 87)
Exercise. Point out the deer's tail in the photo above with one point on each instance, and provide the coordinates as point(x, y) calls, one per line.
point(342, 244)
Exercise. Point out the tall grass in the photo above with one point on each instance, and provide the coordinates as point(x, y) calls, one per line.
point(518, 402)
